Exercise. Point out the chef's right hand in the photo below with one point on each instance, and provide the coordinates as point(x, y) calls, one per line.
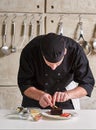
point(45, 100)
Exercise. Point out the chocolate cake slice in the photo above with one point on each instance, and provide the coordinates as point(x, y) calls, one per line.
point(56, 111)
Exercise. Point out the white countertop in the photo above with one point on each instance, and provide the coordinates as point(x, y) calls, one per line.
point(86, 119)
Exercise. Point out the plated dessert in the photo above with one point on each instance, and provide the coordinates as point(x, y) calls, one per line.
point(57, 113)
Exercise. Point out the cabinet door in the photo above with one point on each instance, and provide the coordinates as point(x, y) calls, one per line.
point(22, 5)
point(71, 6)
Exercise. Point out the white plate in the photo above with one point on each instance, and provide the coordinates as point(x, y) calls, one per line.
point(47, 115)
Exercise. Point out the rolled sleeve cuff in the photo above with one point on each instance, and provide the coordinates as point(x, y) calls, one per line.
point(88, 88)
point(23, 88)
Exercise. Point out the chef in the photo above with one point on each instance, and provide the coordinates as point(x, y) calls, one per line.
point(48, 66)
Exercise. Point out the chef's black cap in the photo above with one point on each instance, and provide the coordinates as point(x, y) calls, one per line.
point(52, 47)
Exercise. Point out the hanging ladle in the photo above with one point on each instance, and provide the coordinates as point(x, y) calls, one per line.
point(4, 48)
point(85, 45)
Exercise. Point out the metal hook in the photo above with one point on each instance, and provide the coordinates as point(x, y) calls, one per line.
point(25, 17)
point(80, 22)
point(6, 16)
point(80, 18)
point(31, 18)
point(40, 17)
point(14, 17)
point(39, 20)
point(61, 18)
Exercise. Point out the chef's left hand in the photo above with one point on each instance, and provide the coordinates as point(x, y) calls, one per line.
point(60, 97)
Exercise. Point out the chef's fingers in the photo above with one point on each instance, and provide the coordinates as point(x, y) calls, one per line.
point(64, 97)
point(60, 97)
point(54, 98)
point(43, 103)
point(46, 100)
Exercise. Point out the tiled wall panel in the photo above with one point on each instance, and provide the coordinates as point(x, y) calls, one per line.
point(22, 5)
point(10, 97)
point(71, 6)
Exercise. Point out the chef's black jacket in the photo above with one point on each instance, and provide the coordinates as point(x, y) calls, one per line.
point(33, 71)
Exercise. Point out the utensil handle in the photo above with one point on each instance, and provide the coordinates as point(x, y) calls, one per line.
point(4, 32)
point(13, 34)
point(5, 28)
point(23, 34)
point(24, 29)
point(13, 28)
point(60, 28)
point(39, 29)
point(31, 31)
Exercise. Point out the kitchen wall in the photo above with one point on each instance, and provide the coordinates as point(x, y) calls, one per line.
point(31, 18)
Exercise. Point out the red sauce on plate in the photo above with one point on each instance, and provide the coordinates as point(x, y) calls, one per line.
point(65, 114)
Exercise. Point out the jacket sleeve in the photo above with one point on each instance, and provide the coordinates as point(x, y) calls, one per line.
point(26, 72)
point(83, 74)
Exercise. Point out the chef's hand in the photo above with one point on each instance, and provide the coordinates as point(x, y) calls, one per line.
point(60, 97)
point(46, 100)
